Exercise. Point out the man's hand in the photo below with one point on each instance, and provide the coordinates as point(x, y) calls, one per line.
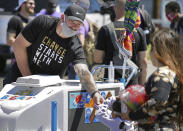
point(88, 82)
point(97, 98)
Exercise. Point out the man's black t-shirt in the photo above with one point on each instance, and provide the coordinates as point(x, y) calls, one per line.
point(49, 53)
point(178, 26)
point(16, 24)
point(104, 42)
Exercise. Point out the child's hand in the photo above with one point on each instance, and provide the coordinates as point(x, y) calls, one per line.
point(97, 98)
point(125, 112)
point(125, 116)
point(114, 115)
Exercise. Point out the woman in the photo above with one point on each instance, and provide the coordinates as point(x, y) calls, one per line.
point(163, 110)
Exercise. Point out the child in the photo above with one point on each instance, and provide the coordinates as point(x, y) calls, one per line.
point(112, 119)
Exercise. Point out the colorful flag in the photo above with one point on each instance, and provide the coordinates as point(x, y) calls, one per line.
point(132, 20)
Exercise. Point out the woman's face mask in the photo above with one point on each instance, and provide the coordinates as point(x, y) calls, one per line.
point(66, 30)
point(170, 16)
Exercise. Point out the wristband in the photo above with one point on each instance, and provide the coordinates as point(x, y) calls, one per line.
point(94, 93)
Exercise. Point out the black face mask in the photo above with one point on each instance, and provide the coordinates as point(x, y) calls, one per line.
point(51, 7)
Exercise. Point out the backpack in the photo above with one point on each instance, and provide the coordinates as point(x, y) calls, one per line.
point(89, 44)
point(118, 58)
point(146, 23)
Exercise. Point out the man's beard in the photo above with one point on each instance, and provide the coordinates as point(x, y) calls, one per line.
point(29, 10)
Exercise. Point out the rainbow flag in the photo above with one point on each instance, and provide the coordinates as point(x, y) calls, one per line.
point(132, 20)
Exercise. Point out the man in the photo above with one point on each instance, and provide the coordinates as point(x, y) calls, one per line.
point(105, 50)
point(50, 9)
point(19, 21)
point(48, 44)
point(173, 14)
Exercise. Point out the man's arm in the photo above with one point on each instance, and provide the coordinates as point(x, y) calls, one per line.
point(10, 38)
point(99, 56)
point(82, 38)
point(88, 82)
point(19, 47)
point(142, 57)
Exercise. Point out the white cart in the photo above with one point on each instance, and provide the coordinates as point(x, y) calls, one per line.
point(26, 104)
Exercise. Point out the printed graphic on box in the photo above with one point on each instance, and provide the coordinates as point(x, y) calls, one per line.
point(83, 99)
point(15, 97)
point(88, 112)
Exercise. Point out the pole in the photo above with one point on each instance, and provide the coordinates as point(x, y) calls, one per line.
point(53, 116)
point(156, 9)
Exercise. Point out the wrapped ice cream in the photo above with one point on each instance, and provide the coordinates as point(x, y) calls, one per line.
point(133, 97)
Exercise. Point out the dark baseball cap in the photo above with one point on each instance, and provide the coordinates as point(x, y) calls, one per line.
point(75, 12)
